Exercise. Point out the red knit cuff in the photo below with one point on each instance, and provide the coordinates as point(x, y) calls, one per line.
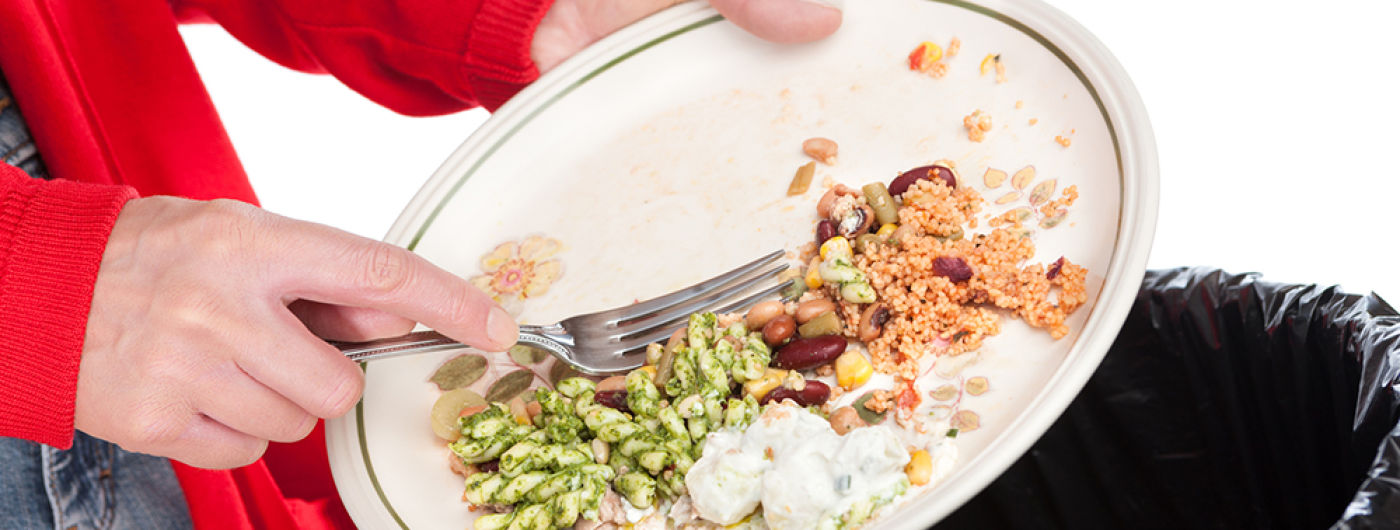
point(52, 235)
point(498, 62)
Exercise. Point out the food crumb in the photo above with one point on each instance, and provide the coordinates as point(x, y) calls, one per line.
point(1062, 140)
point(924, 56)
point(987, 63)
point(1034, 121)
point(938, 70)
point(802, 179)
point(820, 149)
point(825, 370)
point(977, 125)
point(954, 46)
point(1020, 103)
point(1001, 71)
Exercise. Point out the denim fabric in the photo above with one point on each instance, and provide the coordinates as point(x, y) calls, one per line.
point(94, 484)
point(16, 147)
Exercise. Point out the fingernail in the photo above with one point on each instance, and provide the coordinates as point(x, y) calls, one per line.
point(838, 4)
point(500, 328)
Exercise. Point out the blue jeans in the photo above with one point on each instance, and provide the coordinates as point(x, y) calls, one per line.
point(16, 148)
point(94, 484)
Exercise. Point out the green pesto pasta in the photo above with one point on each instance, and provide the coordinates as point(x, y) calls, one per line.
point(556, 468)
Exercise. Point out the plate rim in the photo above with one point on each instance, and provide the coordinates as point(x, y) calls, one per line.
point(1101, 74)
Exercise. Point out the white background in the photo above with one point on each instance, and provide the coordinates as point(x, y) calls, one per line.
point(1275, 123)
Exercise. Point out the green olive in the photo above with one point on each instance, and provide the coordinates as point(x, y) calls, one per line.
point(881, 201)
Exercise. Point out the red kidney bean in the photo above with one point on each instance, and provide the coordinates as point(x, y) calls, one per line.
point(825, 230)
point(955, 269)
point(901, 183)
point(813, 393)
point(1055, 268)
point(803, 354)
point(489, 466)
point(612, 398)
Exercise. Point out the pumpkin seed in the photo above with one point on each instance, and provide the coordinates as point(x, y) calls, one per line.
point(1054, 220)
point(525, 354)
point(977, 385)
point(1010, 197)
point(458, 372)
point(1042, 192)
point(1023, 177)
point(993, 177)
point(509, 386)
point(868, 416)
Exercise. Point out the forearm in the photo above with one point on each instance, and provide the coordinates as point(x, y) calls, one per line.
point(52, 235)
point(440, 56)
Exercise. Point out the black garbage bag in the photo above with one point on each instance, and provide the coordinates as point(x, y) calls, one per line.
point(1226, 402)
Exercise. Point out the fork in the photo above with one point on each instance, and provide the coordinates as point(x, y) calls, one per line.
point(607, 341)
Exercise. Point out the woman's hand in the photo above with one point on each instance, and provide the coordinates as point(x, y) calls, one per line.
point(571, 25)
point(202, 341)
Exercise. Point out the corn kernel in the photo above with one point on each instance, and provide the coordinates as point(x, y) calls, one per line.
point(988, 63)
point(886, 230)
point(813, 278)
point(920, 467)
point(772, 378)
point(650, 369)
point(836, 247)
point(924, 55)
point(852, 369)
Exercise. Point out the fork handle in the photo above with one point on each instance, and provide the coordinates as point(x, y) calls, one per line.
point(431, 341)
point(416, 342)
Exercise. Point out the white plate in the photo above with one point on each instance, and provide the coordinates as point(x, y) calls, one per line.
point(661, 155)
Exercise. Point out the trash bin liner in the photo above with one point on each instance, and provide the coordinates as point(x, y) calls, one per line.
point(1226, 402)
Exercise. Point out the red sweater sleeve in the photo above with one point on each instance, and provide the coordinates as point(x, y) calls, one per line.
point(52, 234)
point(419, 58)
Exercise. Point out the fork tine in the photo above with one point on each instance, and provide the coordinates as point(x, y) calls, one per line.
point(683, 311)
point(756, 297)
point(664, 330)
point(642, 309)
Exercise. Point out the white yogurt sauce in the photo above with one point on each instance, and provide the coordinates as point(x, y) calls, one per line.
point(792, 462)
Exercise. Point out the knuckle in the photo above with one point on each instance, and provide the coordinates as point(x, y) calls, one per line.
point(193, 306)
point(154, 427)
point(226, 227)
point(386, 268)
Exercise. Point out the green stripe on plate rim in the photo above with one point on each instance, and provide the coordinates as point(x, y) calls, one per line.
point(418, 236)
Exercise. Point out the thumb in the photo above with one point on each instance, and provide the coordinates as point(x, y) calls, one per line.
point(785, 21)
